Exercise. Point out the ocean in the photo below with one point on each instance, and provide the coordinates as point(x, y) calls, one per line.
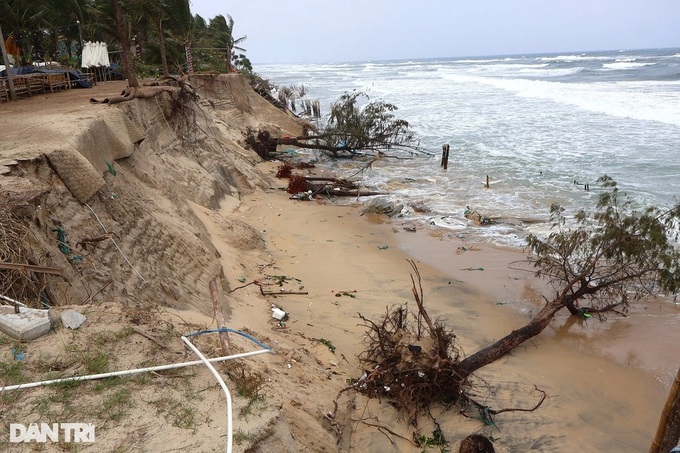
point(540, 127)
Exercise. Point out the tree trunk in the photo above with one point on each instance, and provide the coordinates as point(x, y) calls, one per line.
point(124, 44)
point(164, 55)
point(10, 79)
point(161, 41)
point(512, 340)
point(668, 431)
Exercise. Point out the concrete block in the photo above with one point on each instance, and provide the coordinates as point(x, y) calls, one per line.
point(72, 319)
point(26, 325)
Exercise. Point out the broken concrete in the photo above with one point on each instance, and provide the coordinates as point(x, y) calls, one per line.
point(72, 319)
point(26, 325)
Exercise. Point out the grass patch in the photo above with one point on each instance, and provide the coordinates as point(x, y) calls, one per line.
point(241, 437)
point(115, 405)
point(12, 373)
point(96, 363)
point(179, 415)
point(253, 406)
point(101, 385)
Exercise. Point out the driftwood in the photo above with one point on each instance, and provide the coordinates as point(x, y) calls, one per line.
point(329, 186)
point(32, 268)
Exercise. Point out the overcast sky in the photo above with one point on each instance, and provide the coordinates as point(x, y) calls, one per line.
point(317, 31)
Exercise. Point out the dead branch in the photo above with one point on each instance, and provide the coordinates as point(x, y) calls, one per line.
point(486, 412)
point(83, 243)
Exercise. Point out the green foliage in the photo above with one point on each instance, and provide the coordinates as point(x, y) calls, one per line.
point(50, 30)
point(373, 127)
point(437, 440)
point(610, 257)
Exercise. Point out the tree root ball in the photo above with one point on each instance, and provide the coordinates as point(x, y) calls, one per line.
point(476, 443)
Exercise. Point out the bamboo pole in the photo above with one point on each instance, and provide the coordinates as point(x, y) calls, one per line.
point(668, 430)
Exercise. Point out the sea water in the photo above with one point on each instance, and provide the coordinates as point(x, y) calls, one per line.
point(541, 127)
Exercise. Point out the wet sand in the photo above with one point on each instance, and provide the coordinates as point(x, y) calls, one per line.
point(606, 382)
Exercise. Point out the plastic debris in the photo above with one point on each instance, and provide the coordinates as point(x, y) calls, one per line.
point(277, 313)
point(111, 169)
point(18, 354)
point(61, 237)
point(303, 196)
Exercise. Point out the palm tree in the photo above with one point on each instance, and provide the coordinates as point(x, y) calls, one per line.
point(173, 24)
point(221, 31)
point(23, 18)
point(124, 43)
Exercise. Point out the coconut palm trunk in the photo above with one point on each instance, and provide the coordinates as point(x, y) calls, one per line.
point(124, 44)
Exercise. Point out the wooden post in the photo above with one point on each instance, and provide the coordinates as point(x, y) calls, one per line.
point(219, 315)
point(445, 156)
point(487, 181)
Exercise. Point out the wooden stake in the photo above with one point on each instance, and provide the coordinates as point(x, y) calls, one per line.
point(219, 315)
point(445, 156)
point(487, 181)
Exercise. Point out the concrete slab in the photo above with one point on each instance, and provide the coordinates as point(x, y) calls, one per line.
point(26, 325)
point(72, 319)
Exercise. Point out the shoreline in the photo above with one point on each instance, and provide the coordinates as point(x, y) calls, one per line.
point(332, 248)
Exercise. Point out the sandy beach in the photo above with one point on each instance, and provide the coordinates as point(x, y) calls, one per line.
point(604, 388)
point(606, 382)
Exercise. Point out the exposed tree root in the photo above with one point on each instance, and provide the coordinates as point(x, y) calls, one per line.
point(413, 362)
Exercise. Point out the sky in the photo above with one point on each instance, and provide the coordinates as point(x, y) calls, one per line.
point(320, 31)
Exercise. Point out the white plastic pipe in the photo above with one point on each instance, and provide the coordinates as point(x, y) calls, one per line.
point(133, 371)
point(12, 301)
point(214, 372)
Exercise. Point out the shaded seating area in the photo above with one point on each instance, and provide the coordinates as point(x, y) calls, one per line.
point(31, 81)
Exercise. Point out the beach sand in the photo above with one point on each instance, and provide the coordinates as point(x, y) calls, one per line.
point(606, 382)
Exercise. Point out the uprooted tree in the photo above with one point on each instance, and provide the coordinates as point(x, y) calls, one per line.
point(602, 262)
point(353, 129)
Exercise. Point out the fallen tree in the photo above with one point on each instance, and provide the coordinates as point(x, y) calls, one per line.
point(351, 130)
point(608, 259)
point(601, 263)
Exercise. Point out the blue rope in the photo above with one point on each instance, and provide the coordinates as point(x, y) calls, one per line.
point(226, 329)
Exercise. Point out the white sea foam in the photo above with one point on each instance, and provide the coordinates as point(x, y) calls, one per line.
point(625, 64)
point(572, 58)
